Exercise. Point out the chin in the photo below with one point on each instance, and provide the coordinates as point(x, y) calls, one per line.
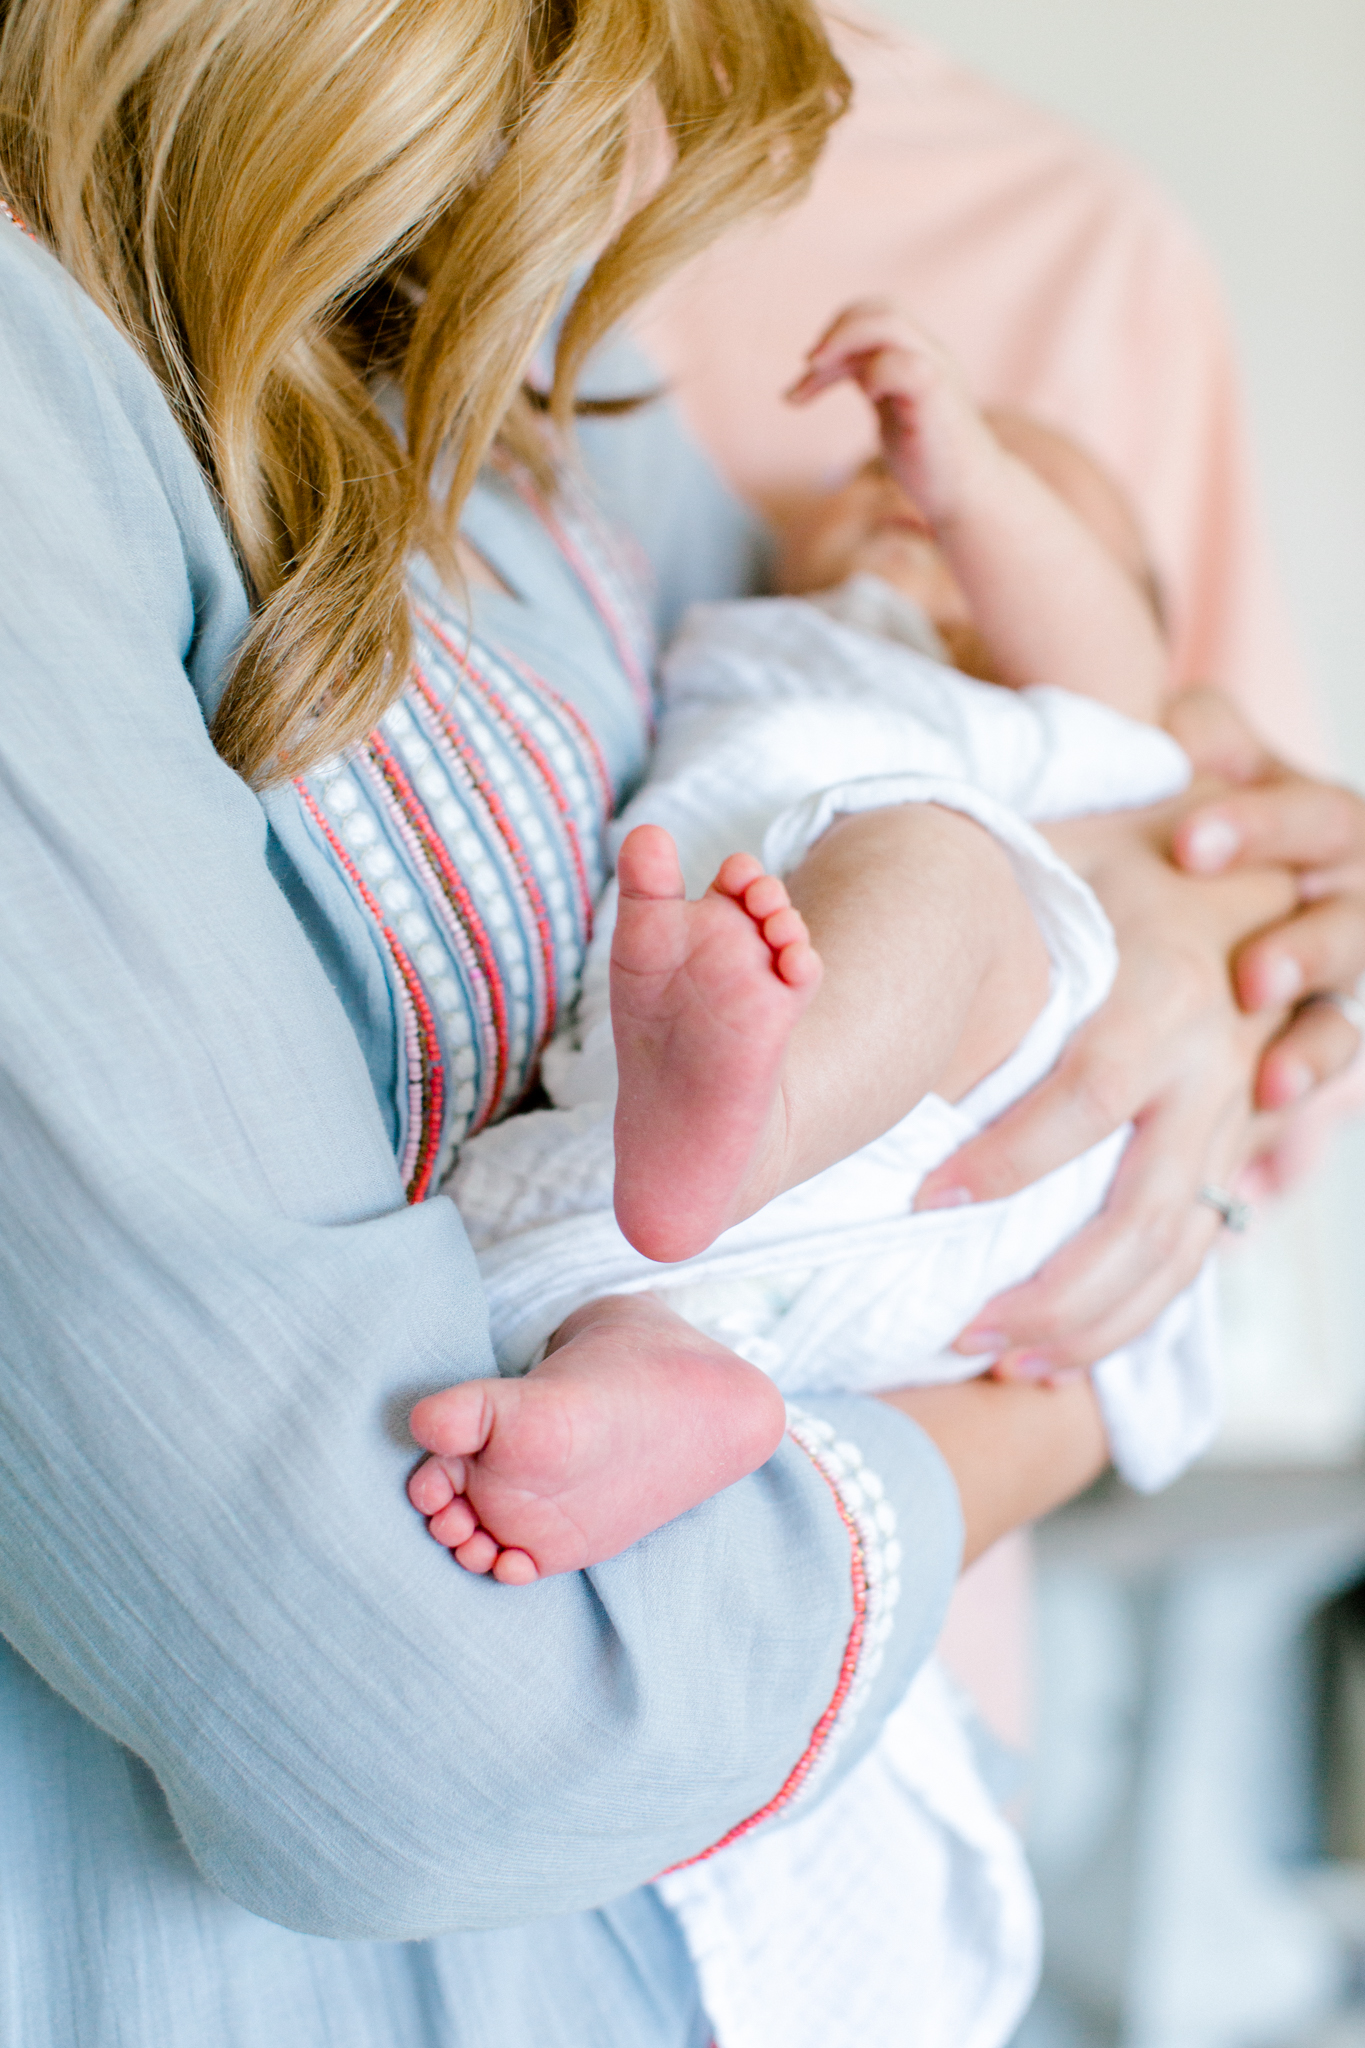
point(913, 566)
point(890, 564)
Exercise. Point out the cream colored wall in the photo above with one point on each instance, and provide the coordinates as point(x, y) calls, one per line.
point(1252, 114)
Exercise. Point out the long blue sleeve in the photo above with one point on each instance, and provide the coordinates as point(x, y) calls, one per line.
point(215, 1309)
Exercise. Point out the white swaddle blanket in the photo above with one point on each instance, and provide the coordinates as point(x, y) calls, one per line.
point(778, 716)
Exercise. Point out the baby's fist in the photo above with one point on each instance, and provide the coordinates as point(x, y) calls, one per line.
point(933, 436)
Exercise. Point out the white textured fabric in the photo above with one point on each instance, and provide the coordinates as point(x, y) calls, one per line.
point(872, 606)
point(900, 1911)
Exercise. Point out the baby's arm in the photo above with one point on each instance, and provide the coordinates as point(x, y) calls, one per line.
point(1051, 602)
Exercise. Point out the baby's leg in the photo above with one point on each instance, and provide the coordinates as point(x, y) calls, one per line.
point(735, 1084)
point(633, 1417)
point(934, 970)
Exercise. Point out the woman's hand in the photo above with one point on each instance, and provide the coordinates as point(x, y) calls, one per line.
point(1317, 830)
point(1172, 1052)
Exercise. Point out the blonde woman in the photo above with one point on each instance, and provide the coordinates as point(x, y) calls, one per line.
point(303, 801)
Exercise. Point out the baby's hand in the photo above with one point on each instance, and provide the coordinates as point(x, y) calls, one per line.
point(933, 437)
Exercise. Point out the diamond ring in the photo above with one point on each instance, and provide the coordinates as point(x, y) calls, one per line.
point(1235, 1213)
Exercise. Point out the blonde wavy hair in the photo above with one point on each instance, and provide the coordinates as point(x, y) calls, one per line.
point(276, 198)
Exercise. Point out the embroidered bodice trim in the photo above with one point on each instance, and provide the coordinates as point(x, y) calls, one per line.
point(469, 827)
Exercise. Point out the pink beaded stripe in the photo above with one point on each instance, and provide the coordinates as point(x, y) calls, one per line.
point(595, 552)
point(517, 732)
point(474, 817)
point(426, 1079)
point(518, 873)
point(13, 218)
point(820, 1734)
point(870, 1523)
point(466, 764)
point(498, 700)
point(436, 809)
point(446, 894)
point(554, 788)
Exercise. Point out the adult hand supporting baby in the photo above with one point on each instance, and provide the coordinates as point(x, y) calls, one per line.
point(1172, 1052)
point(1317, 830)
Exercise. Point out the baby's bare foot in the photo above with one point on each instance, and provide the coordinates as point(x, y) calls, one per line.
point(704, 997)
point(633, 1417)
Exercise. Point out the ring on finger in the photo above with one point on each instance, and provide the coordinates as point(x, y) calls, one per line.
point(1349, 1006)
point(1236, 1214)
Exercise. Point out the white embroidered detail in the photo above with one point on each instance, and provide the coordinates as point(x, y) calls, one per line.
point(862, 1496)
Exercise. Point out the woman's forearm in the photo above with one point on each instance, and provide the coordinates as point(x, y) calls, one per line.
point(1014, 1451)
point(1272, 813)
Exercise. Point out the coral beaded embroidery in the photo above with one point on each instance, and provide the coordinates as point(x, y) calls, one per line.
point(469, 826)
point(13, 218)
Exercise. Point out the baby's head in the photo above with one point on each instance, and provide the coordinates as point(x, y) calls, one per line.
point(870, 526)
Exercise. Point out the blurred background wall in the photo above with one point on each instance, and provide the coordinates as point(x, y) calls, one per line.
point(1190, 1759)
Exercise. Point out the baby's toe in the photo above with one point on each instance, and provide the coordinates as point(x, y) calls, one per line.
point(515, 1568)
point(648, 864)
point(785, 928)
point(799, 964)
point(765, 897)
point(737, 874)
point(455, 1524)
point(455, 1423)
point(479, 1554)
point(430, 1488)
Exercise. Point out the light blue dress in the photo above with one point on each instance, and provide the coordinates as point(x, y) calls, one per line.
point(273, 1772)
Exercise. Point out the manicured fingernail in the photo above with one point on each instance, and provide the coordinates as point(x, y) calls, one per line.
point(1036, 1365)
point(976, 1343)
point(1282, 980)
point(1210, 844)
point(943, 1198)
point(1294, 1080)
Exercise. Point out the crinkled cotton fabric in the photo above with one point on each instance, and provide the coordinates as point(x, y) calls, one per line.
point(900, 1911)
point(274, 1771)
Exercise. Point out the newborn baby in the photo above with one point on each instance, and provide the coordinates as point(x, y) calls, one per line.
point(891, 958)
